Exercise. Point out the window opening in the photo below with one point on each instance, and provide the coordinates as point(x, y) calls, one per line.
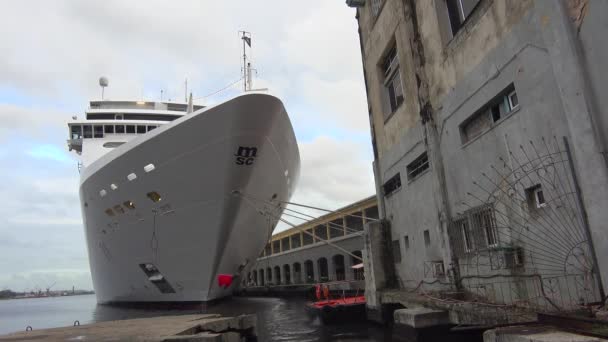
point(156, 278)
point(393, 91)
point(392, 185)
point(459, 11)
point(396, 251)
point(87, 131)
point(492, 112)
point(120, 129)
point(466, 235)
point(536, 198)
point(141, 129)
point(151, 128)
point(417, 167)
point(130, 129)
point(406, 241)
point(118, 117)
point(98, 131)
point(427, 238)
point(76, 131)
point(108, 129)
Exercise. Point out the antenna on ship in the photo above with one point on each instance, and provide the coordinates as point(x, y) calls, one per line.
point(246, 37)
point(103, 83)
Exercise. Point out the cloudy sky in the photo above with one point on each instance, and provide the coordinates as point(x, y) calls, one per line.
point(52, 54)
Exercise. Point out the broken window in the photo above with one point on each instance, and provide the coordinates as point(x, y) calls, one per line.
point(393, 90)
point(392, 185)
point(459, 11)
point(492, 112)
point(396, 251)
point(417, 167)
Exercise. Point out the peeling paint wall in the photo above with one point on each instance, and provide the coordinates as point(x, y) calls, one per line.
point(447, 78)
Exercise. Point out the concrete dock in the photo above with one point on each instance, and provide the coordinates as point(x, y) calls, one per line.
point(207, 328)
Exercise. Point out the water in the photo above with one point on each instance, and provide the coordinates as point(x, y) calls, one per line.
point(278, 319)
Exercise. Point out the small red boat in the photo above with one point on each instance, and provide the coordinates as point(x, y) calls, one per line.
point(337, 310)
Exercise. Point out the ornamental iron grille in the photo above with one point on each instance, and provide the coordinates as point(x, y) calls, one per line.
point(519, 241)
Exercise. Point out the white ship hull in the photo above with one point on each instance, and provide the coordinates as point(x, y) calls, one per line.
point(200, 228)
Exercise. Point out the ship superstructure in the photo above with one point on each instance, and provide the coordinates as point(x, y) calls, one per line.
point(163, 187)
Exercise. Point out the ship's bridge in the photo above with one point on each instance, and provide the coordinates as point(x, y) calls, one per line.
point(112, 123)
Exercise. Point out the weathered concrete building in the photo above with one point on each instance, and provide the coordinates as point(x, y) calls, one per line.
point(488, 126)
point(319, 250)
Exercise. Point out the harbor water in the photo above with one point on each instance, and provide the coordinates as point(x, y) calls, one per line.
point(278, 319)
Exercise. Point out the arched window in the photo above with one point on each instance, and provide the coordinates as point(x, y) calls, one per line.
point(323, 272)
point(338, 262)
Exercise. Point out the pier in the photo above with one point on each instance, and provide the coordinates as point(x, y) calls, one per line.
point(204, 328)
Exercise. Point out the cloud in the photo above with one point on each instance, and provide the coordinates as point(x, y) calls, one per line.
point(307, 55)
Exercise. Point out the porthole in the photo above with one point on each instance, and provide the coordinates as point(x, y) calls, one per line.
point(154, 196)
point(129, 204)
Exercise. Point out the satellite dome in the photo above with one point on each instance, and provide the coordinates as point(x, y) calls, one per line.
point(103, 81)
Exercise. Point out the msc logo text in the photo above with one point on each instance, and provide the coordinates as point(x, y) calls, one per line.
point(245, 155)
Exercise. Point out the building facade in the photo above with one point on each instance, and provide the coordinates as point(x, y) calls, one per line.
point(488, 127)
point(321, 250)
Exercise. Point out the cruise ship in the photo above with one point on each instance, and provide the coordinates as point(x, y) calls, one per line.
point(177, 199)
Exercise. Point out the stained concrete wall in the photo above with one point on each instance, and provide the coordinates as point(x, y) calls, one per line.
point(503, 42)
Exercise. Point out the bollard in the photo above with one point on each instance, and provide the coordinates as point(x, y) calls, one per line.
point(76, 323)
point(28, 328)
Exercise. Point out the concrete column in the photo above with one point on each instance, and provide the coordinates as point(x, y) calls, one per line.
point(344, 224)
point(280, 245)
point(348, 263)
point(331, 268)
point(378, 266)
point(577, 97)
point(301, 239)
point(327, 230)
point(315, 267)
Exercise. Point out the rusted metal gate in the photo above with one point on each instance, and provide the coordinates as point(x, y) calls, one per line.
point(522, 241)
